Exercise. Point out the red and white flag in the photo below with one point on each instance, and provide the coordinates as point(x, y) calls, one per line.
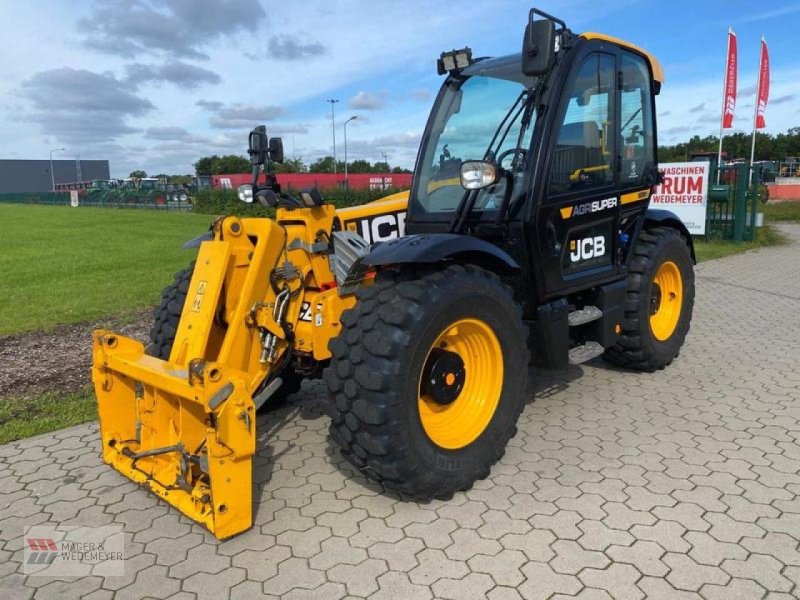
point(729, 101)
point(763, 86)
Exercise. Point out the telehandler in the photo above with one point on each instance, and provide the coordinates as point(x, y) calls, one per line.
point(526, 237)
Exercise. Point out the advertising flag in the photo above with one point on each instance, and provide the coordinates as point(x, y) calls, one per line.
point(763, 86)
point(729, 104)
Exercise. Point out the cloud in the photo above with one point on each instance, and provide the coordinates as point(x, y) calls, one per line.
point(78, 106)
point(748, 91)
point(783, 99)
point(178, 28)
point(367, 101)
point(769, 14)
point(420, 94)
point(174, 71)
point(698, 108)
point(284, 47)
point(676, 130)
point(212, 105)
point(241, 116)
point(169, 134)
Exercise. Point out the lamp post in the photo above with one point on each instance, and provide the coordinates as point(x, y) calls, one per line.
point(333, 130)
point(52, 176)
point(346, 181)
point(385, 160)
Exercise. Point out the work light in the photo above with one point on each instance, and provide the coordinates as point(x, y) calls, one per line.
point(455, 60)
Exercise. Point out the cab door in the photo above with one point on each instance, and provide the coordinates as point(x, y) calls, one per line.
point(578, 218)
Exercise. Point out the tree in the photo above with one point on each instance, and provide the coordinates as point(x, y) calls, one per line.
point(359, 166)
point(138, 174)
point(400, 170)
point(381, 167)
point(323, 165)
point(290, 165)
point(214, 165)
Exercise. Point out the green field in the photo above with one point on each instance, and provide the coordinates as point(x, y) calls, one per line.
point(63, 265)
point(765, 236)
point(66, 265)
point(782, 211)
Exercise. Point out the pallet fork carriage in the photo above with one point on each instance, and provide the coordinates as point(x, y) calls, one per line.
point(530, 238)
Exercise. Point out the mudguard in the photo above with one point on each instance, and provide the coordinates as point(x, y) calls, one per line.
point(437, 247)
point(668, 218)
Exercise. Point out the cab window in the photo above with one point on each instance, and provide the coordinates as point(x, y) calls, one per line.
point(583, 157)
point(636, 118)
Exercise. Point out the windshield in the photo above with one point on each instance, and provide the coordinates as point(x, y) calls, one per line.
point(479, 119)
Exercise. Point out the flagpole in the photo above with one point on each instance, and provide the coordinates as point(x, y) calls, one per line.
point(755, 110)
point(724, 97)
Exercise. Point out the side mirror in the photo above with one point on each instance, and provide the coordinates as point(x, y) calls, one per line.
point(478, 174)
point(538, 47)
point(257, 145)
point(276, 149)
point(245, 192)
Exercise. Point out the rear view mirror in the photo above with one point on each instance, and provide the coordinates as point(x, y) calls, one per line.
point(276, 149)
point(257, 145)
point(538, 47)
point(478, 174)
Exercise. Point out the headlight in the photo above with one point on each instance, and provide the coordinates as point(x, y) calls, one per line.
point(246, 193)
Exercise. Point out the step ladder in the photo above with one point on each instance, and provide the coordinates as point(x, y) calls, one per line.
point(589, 350)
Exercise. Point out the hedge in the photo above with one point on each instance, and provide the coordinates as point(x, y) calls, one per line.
point(226, 202)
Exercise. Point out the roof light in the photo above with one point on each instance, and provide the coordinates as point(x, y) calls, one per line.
point(453, 61)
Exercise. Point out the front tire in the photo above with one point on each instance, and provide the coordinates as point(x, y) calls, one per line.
point(659, 302)
point(427, 378)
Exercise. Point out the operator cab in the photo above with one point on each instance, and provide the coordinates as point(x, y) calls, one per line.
point(550, 158)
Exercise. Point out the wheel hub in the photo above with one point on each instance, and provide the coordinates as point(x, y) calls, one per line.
point(655, 298)
point(445, 376)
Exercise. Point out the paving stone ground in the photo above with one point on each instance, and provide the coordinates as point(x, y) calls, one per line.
point(680, 484)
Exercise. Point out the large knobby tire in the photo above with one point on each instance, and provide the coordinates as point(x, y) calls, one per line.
point(403, 409)
point(659, 302)
point(168, 313)
point(165, 326)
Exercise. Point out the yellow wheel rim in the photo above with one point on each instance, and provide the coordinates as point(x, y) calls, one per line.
point(459, 422)
point(666, 300)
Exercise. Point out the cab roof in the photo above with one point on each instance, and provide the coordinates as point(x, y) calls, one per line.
point(510, 66)
point(658, 71)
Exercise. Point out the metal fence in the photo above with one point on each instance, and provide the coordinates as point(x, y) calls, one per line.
point(101, 201)
point(733, 203)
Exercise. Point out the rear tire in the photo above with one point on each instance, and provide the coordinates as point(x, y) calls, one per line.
point(168, 314)
point(383, 415)
point(650, 341)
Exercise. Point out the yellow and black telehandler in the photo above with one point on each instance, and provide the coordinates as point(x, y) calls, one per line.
point(526, 237)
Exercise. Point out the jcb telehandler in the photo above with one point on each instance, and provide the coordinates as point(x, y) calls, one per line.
point(526, 234)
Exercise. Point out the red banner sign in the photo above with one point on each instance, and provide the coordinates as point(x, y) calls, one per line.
point(763, 86)
point(729, 105)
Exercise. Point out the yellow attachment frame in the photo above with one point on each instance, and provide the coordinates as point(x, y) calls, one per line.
point(185, 428)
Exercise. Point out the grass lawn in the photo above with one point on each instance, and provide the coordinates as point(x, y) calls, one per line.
point(782, 211)
point(765, 236)
point(66, 265)
point(60, 264)
point(26, 416)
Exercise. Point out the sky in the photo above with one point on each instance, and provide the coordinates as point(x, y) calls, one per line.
point(156, 84)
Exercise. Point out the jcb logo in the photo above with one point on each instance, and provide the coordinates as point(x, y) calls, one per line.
point(587, 248)
point(380, 228)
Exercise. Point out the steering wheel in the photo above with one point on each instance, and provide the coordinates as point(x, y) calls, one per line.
point(503, 155)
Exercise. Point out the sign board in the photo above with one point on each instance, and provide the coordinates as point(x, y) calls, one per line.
point(684, 192)
point(73, 198)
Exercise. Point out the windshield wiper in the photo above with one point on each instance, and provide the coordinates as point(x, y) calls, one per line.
point(467, 201)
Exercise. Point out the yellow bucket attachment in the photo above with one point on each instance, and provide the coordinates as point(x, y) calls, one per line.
point(187, 435)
